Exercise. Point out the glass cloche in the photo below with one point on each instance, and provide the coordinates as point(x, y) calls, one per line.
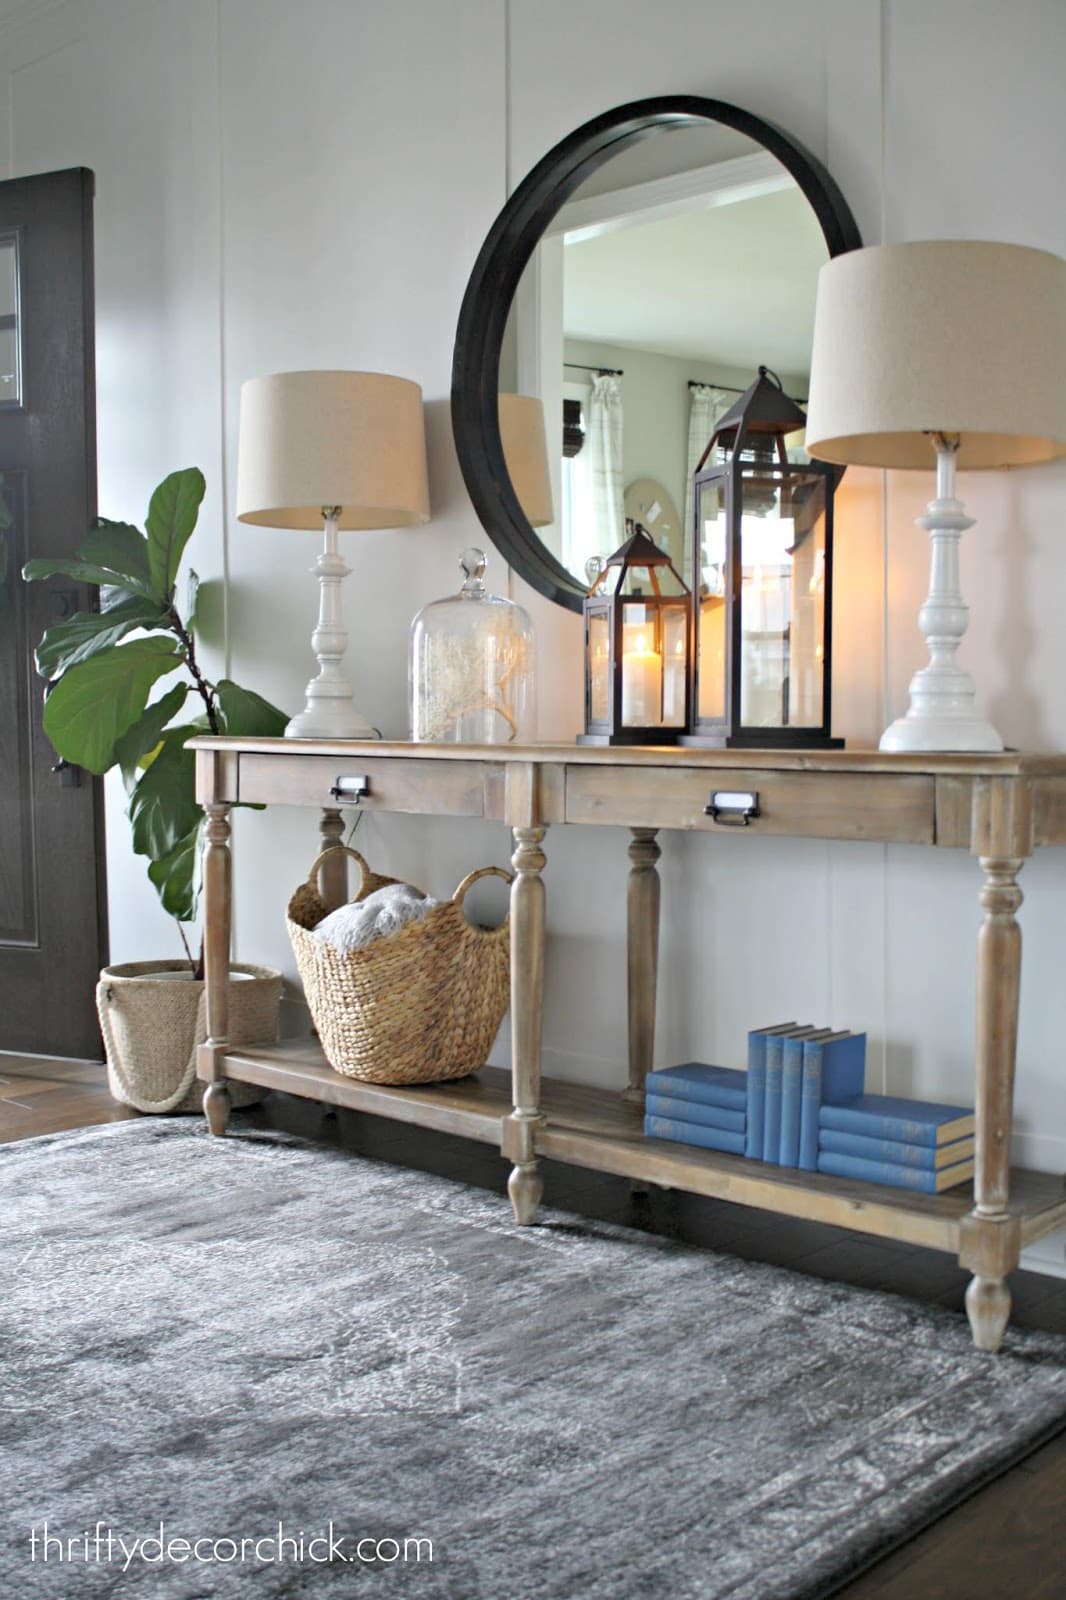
point(471, 677)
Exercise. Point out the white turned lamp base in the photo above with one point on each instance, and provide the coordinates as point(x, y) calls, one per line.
point(329, 711)
point(323, 719)
point(942, 714)
point(917, 734)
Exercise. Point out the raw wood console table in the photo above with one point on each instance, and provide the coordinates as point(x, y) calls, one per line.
point(999, 807)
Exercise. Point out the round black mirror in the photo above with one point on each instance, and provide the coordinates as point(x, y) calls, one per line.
point(698, 252)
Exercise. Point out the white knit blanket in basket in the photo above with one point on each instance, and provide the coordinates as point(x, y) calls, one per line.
point(387, 910)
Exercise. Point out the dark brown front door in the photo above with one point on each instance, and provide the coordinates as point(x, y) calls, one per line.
point(53, 931)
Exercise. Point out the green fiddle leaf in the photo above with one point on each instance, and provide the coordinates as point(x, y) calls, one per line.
point(177, 875)
point(81, 572)
point(113, 555)
point(146, 732)
point(163, 806)
point(90, 632)
point(120, 547)
point(246, 714)
point(94, 703)
point(171, 519)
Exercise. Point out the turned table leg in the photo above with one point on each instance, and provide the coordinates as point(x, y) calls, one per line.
point(333, 873)
point(218, 904)
point(525, 1185)
point(642, 956)
point(991, 1237)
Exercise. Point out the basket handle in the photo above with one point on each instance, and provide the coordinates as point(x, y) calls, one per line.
point(472, 877)
point(345, 850)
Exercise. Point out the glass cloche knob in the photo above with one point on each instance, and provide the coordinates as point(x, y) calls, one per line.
point(472, 562)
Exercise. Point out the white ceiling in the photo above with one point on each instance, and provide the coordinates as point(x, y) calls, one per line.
point(733, 284)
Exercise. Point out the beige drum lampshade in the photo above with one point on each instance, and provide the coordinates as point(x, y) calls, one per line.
point(939, 336)
point(525, 451)
point(349, 439)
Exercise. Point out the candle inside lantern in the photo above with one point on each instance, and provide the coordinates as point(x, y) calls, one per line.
point(642, 680)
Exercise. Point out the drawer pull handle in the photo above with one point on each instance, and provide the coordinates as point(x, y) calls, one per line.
point(351, 790)
point(732, 808)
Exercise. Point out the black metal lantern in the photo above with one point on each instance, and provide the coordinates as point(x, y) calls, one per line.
point(762, 564)
point(637, 619)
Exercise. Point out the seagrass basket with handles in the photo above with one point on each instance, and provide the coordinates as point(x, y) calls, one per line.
point(153, 1017)
point(420, 1005)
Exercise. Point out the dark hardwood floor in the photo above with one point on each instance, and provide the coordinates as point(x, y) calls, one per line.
point(1007, 1542)
point(46, 1094)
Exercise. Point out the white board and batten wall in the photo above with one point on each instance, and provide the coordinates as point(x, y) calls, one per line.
point(286, 186)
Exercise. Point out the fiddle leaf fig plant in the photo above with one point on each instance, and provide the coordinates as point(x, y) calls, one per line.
point(102, 667)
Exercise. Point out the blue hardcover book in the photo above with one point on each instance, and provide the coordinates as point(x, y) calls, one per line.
point(693, 1133)
point(713, 1086)
point(771, 1130)
point(788, 1148)
point(706, 1116)
point(885, 1116)
point(929, 1156)
point(834, 1068)
point(927, 1180)
point(757, 1085)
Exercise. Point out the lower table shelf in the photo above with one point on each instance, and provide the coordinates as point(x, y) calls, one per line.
point(596, 1128)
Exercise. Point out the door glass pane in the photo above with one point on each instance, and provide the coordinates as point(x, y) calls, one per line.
point(18, 908)
point(710, 641)
point(675, 661)
point(807, 630)
point(10, 374)
point(599, 665)
point(782, 602)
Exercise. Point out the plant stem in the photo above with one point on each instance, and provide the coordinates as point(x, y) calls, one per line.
point(203, 687)
point(207, 695)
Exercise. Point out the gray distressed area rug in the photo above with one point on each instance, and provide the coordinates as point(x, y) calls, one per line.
point(225, 1335)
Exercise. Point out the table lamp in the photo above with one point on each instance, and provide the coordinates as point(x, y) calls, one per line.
point(952, 347)
point(332, 450)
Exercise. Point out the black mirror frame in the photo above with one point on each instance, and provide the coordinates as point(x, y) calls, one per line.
point(503, 258)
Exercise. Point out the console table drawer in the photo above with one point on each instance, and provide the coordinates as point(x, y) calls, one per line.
point(448, 788)
point(897, 808)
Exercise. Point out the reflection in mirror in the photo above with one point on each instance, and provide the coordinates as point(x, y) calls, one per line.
point(10, 386)
point(676, 270)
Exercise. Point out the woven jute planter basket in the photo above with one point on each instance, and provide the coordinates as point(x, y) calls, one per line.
point(153, 1025)
point(421, 1005)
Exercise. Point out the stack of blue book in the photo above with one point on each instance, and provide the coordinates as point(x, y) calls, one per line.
point(793, 1070)
point(697, 1104)
point(801, 1104)
point(908, 1144)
